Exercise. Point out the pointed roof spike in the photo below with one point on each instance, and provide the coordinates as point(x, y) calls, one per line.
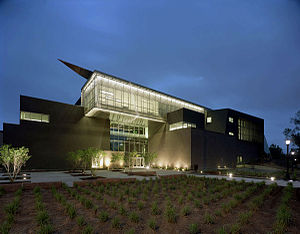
point(79, 70)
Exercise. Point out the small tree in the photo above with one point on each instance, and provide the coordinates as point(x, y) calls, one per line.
point(275, 151)
point(75, 158)
point(117, 157)
point(13, 159)
point(83, 158)
point(149, 157)
point(131, 155)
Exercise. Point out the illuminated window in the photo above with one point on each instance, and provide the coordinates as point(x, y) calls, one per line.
point(209, 120)
point(113, 94)
point(36, 117)
point(239, 159)
point(180, 125)
point(231, 133)
point(249, 131)
point(128, 137)
point(230, 119)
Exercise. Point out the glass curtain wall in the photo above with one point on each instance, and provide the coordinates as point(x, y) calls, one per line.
point(249, 131)
point(128, 134)
point(113, 94)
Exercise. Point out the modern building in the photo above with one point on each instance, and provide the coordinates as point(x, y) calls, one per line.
point(113, 114)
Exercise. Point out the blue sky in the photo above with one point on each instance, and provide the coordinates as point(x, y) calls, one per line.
point(237, 54)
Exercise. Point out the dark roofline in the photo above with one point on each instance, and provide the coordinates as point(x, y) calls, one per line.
point(229, 109)
point(46, 100)
point(87, 74)
point(79, 70)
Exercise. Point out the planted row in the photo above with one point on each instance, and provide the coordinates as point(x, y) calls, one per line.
point(42, 216)
point(284, 214)
point(10, 212)
point(255, 203)
point(70, 210)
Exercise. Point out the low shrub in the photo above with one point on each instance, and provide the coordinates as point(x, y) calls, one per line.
point(197, 204)
point(244, 217)
point(140, 205)
point(80, 221)
point(71, 211)
point(88, 229)
point(152, 224)
point(186, 211)
point(209, 219)
point(235, 228)
point(194, 228)
point(103, 216)
point(36, 189)
point(134, 217)
point(170, 214)
point(113, 205)
point(46, 229)
point(154, 209)
point(218, 213)
point(222, 230)
point(42, 217)
point(122, 211)
point(116, 223)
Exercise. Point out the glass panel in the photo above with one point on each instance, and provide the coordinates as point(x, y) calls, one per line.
point(45, 118)
point(114, 93)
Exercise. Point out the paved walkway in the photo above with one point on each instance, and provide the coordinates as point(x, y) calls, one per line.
point(67, 178)
point(296, 184)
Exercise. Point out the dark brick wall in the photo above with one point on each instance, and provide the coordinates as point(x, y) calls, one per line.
point(173, 148)
point(210, 149)
point(49, 143)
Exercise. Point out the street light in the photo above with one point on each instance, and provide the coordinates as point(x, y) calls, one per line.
point(292, 153)
point(287, 142)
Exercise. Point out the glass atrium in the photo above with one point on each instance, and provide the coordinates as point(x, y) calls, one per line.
point(130, 106)
point(108, 93)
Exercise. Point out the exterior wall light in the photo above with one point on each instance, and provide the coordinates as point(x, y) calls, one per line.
point(147, 167)
point(201, 172)
point(230, 175)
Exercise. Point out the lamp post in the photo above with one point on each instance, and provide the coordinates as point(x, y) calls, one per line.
point(292, 153)
point(287, 142)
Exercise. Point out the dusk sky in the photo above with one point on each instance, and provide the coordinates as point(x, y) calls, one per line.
point(239, 54)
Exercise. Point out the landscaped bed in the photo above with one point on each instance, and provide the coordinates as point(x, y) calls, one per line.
point(167, 205)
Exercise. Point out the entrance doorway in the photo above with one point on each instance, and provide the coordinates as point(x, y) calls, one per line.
point(137, 162)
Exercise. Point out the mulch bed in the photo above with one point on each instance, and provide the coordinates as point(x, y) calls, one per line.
point(179, 191)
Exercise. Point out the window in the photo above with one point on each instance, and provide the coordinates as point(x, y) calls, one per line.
point(181, 125)
point(239, 159)
point(249, 131)
point(36, 117)
point(231, 134)
point(230, 119)
point(209, 120)
point(128, 137)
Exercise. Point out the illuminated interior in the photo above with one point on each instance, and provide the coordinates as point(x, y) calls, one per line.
point(123, 97)
point(180, 125)
point(36, 117)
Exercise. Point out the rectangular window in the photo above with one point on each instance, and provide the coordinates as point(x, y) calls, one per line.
point(230, 119)
point(180, 125)
point(239, 159)
point(209, 120)
point(36, 117)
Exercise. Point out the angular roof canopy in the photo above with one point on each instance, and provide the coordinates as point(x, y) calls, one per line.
point(79, 70)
